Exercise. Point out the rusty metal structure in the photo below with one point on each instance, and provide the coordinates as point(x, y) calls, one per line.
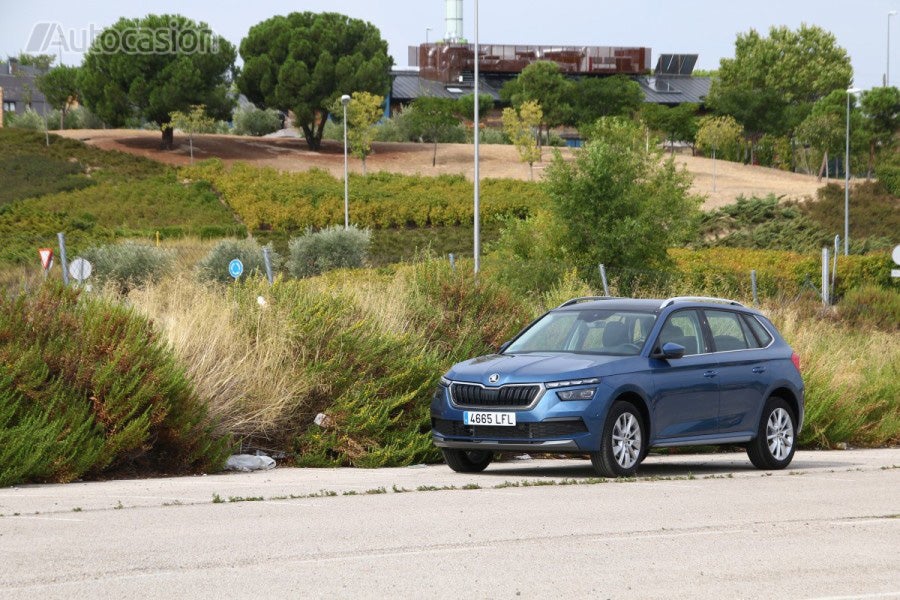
point(450, 63)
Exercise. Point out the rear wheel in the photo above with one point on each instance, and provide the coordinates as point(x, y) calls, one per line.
point(622, 442)
point(467, 461)
point(774, 445)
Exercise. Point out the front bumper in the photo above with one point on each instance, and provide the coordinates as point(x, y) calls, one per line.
point(512, 446)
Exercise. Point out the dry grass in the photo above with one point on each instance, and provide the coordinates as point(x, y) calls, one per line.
point(852, 378)
point(241, 364)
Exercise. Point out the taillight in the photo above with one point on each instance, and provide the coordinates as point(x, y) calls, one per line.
point(795, 358)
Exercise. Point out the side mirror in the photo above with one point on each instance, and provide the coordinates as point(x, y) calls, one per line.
point(503, 347)
point(670, 350)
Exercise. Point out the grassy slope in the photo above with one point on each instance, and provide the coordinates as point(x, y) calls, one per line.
point(94, 196)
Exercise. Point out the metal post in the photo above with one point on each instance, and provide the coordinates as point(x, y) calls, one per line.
point(753, 286)
point(847, 179)
point(603, 279)
point(825, 276)
point(837, 249)
point(345, 100)
point(477, 243)
point(452, 262)
point(62, 257)
point(268, 262)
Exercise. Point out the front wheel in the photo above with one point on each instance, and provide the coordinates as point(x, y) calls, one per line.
point(622, 442)
point(774, 445)
point(467, 461)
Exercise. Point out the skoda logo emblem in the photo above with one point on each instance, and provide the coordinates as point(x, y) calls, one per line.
point(494, 378)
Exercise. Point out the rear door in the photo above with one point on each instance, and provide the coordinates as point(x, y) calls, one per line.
point(742, 366)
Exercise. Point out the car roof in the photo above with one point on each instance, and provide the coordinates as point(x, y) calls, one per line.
point(641, 304)
point(651, 305)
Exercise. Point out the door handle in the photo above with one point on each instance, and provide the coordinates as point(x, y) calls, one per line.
point(710, 373)
point(759, 370)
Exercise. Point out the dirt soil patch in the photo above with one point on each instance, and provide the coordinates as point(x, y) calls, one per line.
point(720, 182)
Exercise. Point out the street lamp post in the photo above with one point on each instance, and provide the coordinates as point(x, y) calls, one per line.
point(847, 178)
point(887, 74)
point(427, 29)
point(477, 243)
point(345, 100)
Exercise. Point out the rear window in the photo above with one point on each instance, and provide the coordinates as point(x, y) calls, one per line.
point(763, 337)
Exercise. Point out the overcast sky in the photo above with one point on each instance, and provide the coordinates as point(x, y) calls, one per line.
point(703, 27)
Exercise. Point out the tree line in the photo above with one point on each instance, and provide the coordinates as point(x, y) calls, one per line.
point(781, 91)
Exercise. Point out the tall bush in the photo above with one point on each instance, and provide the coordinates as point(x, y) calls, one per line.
point(129, 264)
point(256, 121)
point(214, 266)
point(332, 248)
point(86, 386)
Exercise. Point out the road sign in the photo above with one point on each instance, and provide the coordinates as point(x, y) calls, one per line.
point(80, 269)
point(896, 256)
point(235, 268)
point(46, 255)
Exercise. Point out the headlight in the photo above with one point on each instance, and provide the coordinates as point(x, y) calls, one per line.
point(444, 381)
point(582, 394)
point(572, 383)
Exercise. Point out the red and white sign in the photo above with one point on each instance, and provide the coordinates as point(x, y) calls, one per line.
point(46, 257)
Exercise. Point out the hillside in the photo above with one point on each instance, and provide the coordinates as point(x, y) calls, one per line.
point(498, 161)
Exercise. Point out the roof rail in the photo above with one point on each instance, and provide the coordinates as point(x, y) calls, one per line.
point(675, 299)
point(583, 299)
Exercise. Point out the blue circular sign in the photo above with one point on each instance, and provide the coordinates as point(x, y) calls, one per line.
point(235, 268)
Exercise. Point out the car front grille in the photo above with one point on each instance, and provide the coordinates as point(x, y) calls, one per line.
point(465, 394)
point(521, 431)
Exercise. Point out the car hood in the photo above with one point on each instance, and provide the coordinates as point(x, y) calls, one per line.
point(530, 368)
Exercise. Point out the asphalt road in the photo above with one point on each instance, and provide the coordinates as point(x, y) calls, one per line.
point(690, 526)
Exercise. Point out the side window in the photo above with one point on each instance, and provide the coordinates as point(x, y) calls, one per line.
point(762, 335)
point(727, 330)
point(683, 328)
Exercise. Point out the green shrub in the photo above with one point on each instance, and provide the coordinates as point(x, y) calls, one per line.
point(87, 387)
point(30, 119)
point(269, 200)
point(29, 175)
point(888, 172)
point(874, 211)
point(214, 267)
point(129, 264)
point(871, 306)
point(774, 151)
point(763, 224)
point(255, 121)
point(395, 129)
point(331, 248)
point(383, 358)
point(494, 135)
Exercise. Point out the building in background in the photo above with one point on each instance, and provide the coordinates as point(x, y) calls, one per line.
point(446, 68)
point(20, 90)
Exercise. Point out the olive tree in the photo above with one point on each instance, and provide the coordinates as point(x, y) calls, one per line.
point(618, 203)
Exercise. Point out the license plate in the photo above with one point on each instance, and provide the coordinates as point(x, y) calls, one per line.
point(507, 419)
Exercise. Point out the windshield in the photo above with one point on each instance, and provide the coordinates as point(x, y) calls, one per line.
point(615, 332)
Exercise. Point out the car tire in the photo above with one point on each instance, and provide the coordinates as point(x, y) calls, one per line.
point(622, 442)
point(775, 441)
point(467, 461)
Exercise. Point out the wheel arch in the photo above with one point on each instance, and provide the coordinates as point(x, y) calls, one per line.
point(634, 398)
point(786, 394)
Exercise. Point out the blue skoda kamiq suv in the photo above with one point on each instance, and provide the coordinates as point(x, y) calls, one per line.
point(614, 377)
